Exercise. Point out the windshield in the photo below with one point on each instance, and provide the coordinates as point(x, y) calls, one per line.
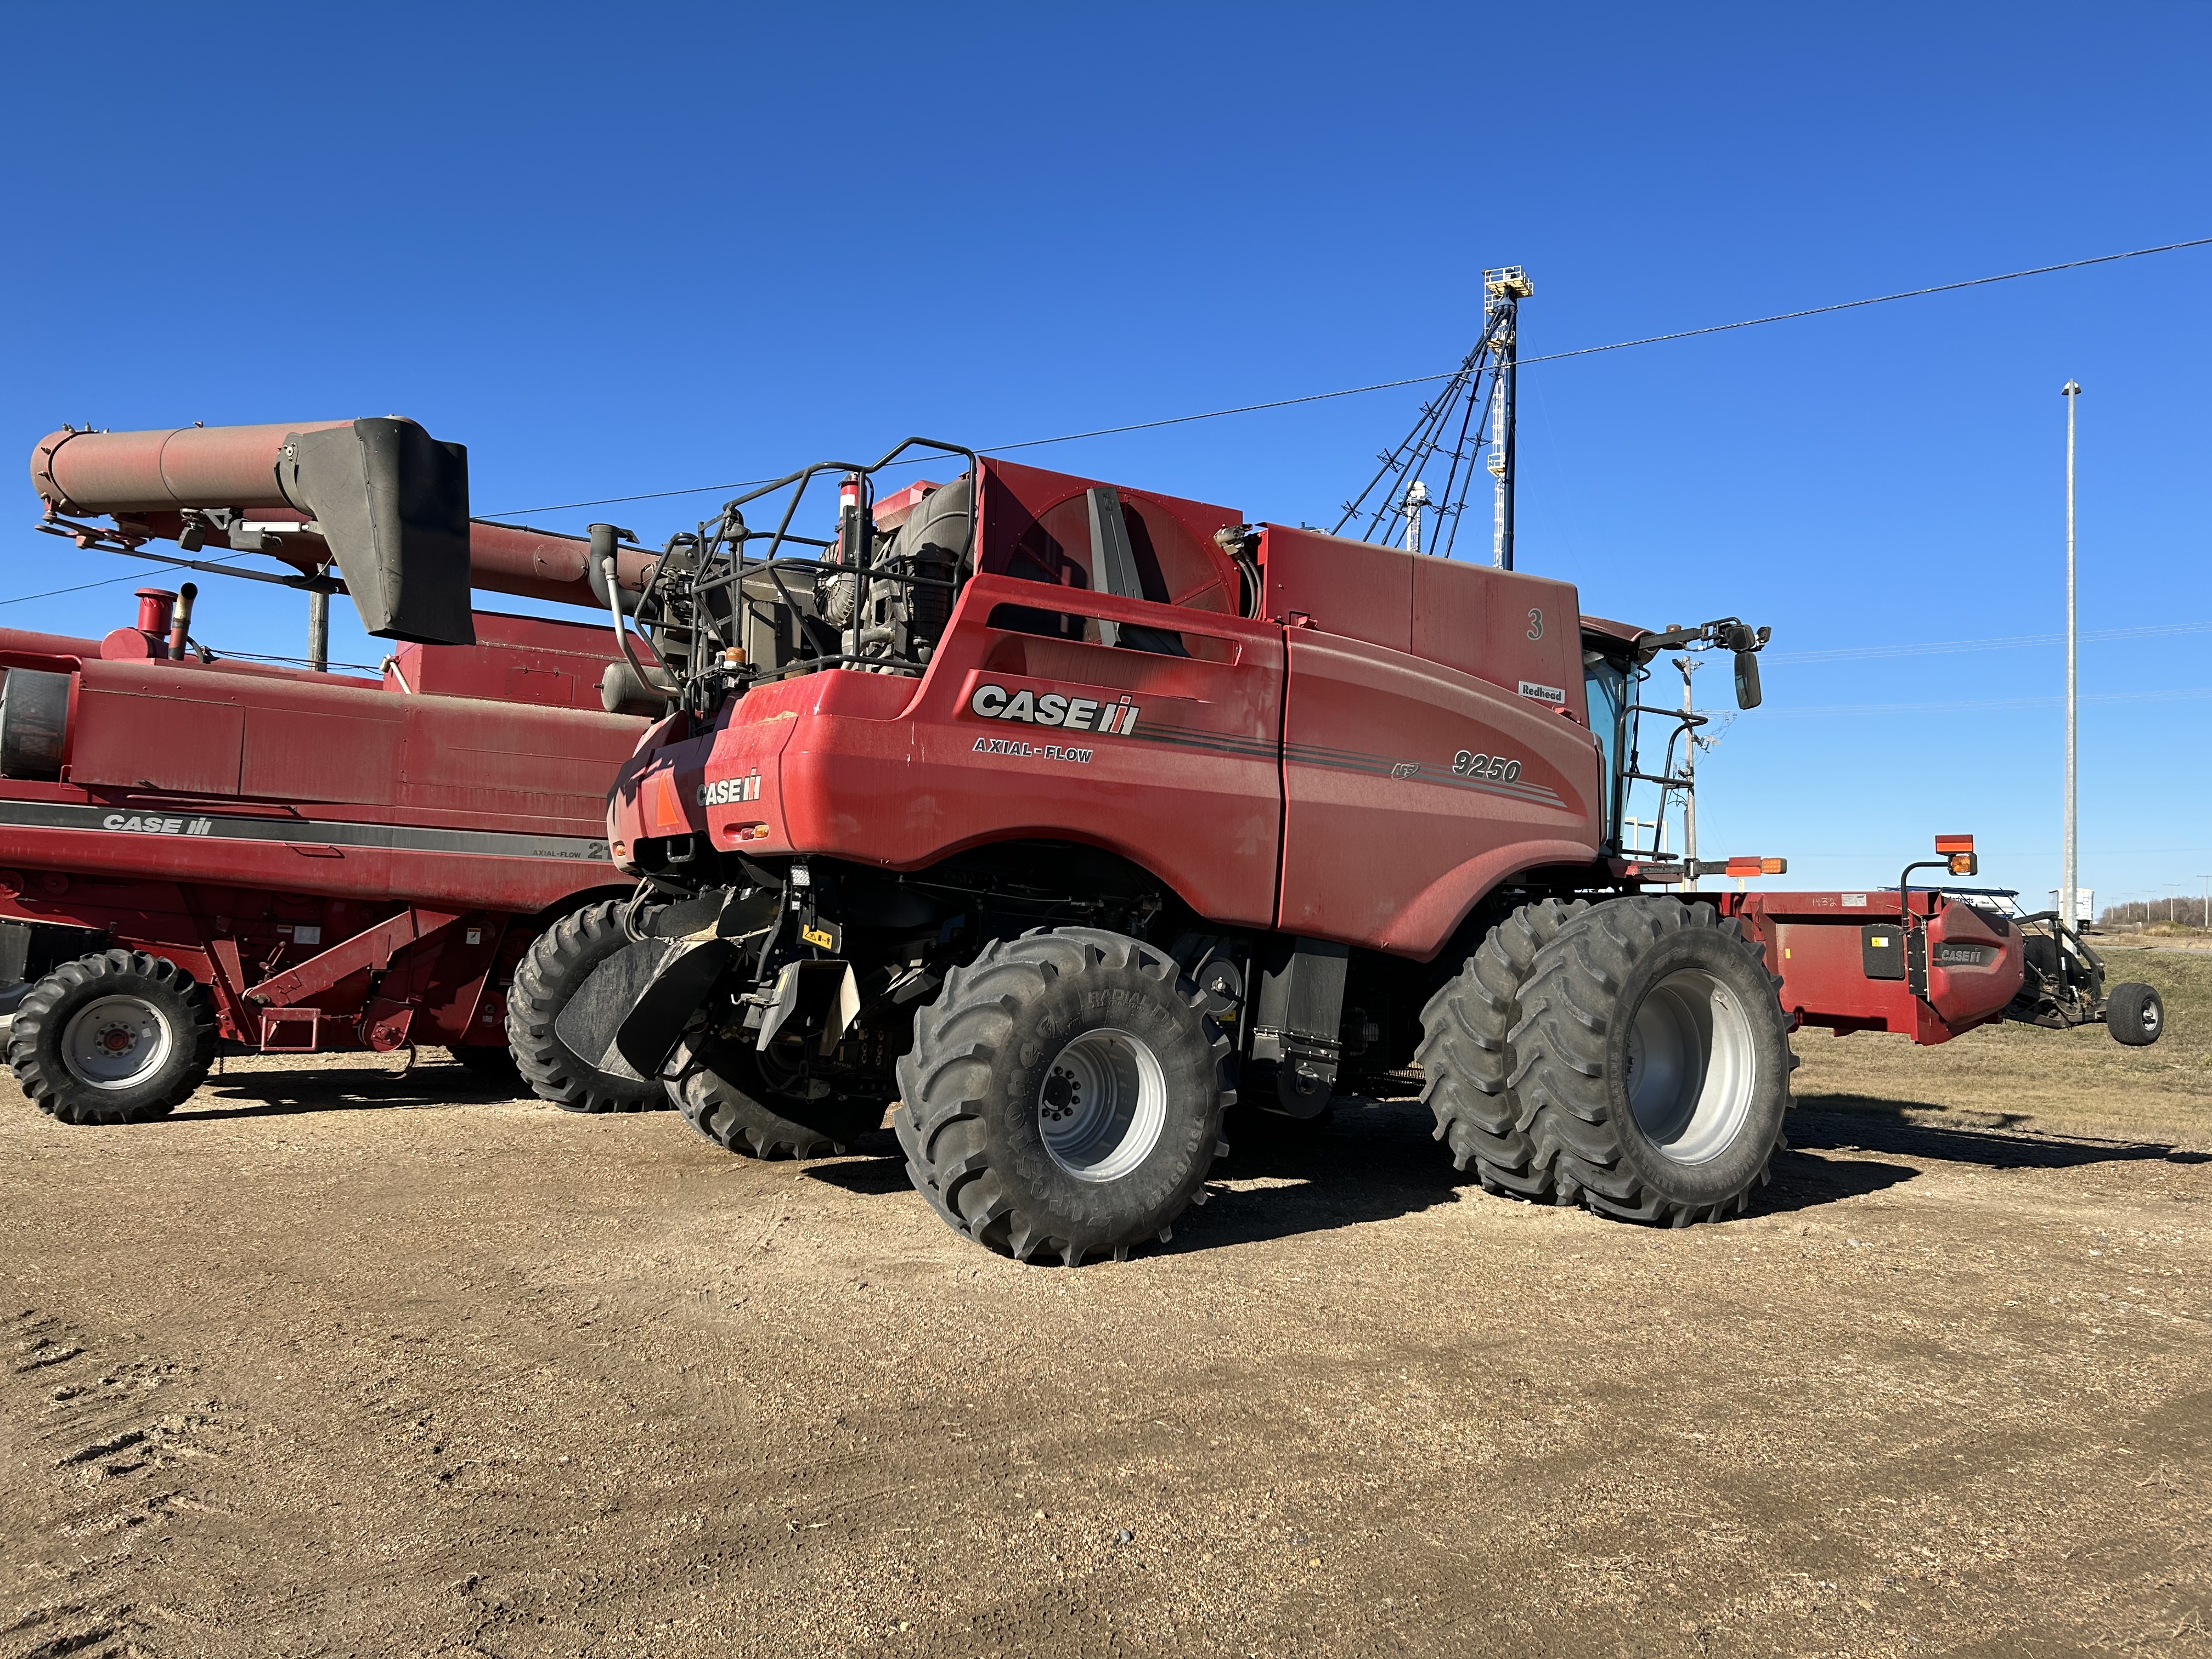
point(1607, 683)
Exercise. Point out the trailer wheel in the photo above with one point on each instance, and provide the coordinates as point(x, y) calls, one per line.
point(1465, 1051)
point(1064, 1095)
point(2133, 1014)
point(118, 1037)
point(551, 971)
point(1652, 1062)
point(720, 1089)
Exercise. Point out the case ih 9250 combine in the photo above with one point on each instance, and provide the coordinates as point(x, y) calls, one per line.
point(194, 849)
point(1060, 813)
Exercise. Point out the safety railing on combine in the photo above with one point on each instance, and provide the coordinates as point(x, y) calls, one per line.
point(729, 605)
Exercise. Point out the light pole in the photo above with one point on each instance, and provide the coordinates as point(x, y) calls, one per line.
point(2069, 901)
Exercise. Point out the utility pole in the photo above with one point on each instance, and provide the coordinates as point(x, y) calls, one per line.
point(2069, 872)
point(318, 630)
point(1503, 290)
point(1417, 497)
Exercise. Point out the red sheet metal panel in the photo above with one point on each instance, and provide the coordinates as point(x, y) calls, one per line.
point(1353, 590)
point(1410, 791)
point(128, 739)
point(1007, 736)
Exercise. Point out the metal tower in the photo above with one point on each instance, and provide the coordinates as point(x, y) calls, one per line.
point(1475, 408)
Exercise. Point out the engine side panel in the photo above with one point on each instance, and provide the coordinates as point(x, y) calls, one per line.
point(1411, 790)
point(1168, 761)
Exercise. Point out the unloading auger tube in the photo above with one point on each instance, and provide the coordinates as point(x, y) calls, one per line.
point(380, 497)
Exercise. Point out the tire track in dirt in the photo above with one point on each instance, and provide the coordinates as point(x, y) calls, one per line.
point(101, 1456)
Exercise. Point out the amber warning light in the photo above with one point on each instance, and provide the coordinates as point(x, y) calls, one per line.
point(1959, 851)
point(1742, 869)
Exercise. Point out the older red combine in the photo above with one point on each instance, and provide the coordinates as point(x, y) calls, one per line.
point(195, 847)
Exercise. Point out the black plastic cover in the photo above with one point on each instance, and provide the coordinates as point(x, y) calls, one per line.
point(33, 723)
point(393, 505)
point(1881, 950)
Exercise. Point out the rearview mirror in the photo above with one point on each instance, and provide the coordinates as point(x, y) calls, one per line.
point(1746, 679)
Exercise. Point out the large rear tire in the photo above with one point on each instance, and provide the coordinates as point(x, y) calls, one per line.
point(1064, 1095)
point(551, 971)
point(1466, 1057)
point(118, 1037)
point(1651, 1062)
point(722, 1094)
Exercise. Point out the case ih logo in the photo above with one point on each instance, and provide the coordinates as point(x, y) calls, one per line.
point(726, 790)
point(155, 824)
point(995, 702)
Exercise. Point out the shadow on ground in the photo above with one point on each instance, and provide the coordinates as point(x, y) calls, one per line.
point(1855, 1123)
point(1372, 1160)
point(328, 1089)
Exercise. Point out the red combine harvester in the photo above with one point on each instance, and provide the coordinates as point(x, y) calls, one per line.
point(195, 849)
point(1060, 814)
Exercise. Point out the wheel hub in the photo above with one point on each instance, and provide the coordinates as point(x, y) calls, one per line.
point(1693, 1068)
point(115, 1042)
point(1103, 1105)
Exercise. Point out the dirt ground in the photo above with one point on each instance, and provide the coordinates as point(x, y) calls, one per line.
point(340, 1361)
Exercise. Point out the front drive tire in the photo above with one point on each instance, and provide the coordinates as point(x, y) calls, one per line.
point(719, 1089)
point(1651, 1062)
point(551, 971)
point(1064, 1095)
point(1465, 1057)
point(118, 1037)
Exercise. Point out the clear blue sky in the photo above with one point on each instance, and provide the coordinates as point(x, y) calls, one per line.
point(617, 250)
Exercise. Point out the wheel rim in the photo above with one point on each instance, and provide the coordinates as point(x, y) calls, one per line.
point(113, 1042)
point(1103, 1105)
point(1693, 1068)
point(2148, 1018)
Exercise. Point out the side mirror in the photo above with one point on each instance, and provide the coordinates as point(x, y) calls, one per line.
point(1748, 693)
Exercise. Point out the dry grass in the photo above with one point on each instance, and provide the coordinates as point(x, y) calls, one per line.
point(2017, 1077)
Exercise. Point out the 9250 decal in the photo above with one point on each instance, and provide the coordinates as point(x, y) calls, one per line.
point(1496, 767)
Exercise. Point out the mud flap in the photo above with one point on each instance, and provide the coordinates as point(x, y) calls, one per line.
point(822, 996)
point(588, 1022)
point(687, 971)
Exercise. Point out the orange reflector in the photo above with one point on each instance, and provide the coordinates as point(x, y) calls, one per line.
point(1946, 845)
point(1744, 869)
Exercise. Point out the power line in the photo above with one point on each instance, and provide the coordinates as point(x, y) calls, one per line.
point(1865, 653)
point(1446, 374)
point(2187, 694)
point(109, 582)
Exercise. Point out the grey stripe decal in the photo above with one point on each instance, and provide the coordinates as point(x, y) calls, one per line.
point(180, 824)
point(1342, 760)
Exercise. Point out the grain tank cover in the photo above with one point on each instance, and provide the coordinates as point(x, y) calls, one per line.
point(393, 503)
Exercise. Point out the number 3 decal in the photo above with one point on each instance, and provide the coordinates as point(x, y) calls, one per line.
point(1536, 624)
